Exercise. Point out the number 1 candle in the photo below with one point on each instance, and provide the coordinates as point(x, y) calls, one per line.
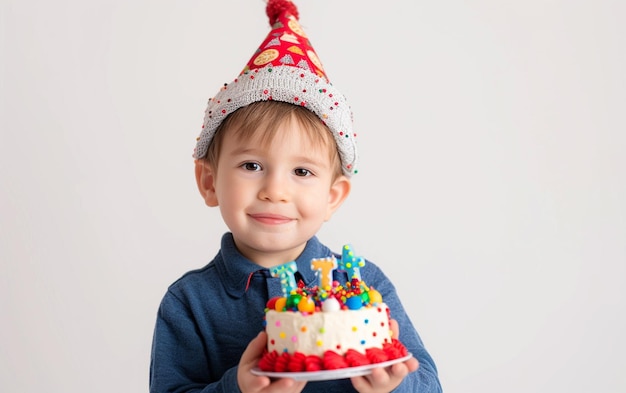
point(324, 267)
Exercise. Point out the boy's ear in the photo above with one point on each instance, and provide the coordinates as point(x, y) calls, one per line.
point(205, 179)
point(339, 191)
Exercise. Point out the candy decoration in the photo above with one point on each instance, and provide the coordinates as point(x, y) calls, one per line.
point(374, 296)
point(350, 263)
point(324, 268)
point(280, 304)
point(306, 304)
point(354, 302)
point(285, 273)
point(331, 304)
point(271, 303)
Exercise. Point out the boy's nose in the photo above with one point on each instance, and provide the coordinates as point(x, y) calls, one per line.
point(274, 189)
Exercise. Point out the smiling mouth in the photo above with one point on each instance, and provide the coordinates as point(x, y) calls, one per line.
point(272, 219)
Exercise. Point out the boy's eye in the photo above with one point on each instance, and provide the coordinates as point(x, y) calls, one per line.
point(302, 172)
point(251, 166)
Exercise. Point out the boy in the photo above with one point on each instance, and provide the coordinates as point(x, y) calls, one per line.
point(276, 154)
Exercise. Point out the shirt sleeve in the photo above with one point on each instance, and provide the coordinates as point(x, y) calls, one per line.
point(425, 379)
point(179, 360)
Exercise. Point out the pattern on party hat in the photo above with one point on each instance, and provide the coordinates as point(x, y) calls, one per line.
point(285, 68)
point(287, 43)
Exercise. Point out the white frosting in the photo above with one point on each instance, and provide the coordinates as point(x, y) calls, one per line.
point(313, 334)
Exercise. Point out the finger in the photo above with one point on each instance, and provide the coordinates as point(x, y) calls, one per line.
point(254, 351)
point(400, 370)
point(384, 379)
point(285, 385)
point(246, 380)
point(361, 384)
point(379, 378)
point(412, 364)
point(253, 383)
point(395, 329)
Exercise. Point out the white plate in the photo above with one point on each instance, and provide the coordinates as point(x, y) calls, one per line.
point(325, 375)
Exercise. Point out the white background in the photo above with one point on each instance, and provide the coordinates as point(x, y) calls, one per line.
point(492, 185)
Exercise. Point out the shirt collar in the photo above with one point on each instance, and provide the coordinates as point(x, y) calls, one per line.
point(234, 269)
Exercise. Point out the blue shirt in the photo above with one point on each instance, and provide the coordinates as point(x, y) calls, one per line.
point(208, 316)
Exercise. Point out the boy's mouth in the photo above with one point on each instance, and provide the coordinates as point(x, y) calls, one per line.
point(271, 219)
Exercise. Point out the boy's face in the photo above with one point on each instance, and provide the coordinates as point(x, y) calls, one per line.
point(274, 198)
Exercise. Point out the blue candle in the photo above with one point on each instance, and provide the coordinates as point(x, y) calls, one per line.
point(285, 273)
point(350, 263)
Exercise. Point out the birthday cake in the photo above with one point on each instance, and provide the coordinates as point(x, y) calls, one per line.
point(329, 326)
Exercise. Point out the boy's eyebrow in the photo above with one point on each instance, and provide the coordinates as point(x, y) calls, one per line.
point(308, 160)
point(243, 150)
point(248, 148)
point(301, 158)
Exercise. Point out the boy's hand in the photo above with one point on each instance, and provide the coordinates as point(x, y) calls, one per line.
point(384, 380)
point(250, 383)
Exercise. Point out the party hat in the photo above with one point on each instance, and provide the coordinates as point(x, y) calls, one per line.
point(285, 68)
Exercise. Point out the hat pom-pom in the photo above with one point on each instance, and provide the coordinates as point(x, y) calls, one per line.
point(276, 8)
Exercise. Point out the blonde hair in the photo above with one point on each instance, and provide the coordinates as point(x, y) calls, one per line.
point(267, 117)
